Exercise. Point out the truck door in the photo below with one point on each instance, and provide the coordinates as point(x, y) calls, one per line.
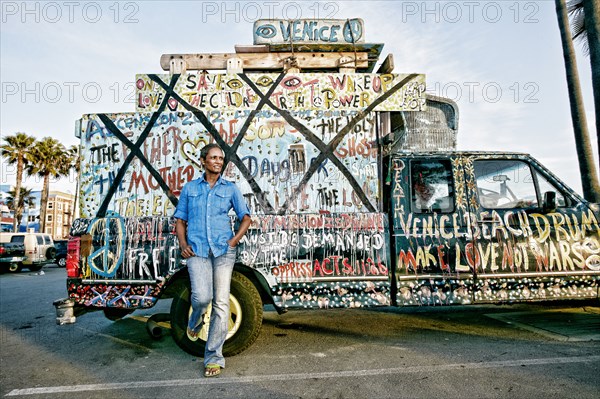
point(428, 206)
point(527, 249)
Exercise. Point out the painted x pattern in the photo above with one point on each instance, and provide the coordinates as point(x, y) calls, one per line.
point(135, 152)
point(326, 150)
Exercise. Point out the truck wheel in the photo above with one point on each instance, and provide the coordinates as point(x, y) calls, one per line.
point(62, 261)
point(115, 314)
point(245, 320)
point(14, 267)
point(50, 253)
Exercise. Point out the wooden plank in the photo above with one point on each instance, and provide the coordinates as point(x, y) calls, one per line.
point(251, 48)
point(177, 65)
point(373, 49)
point(260, 61)
point(388, 65)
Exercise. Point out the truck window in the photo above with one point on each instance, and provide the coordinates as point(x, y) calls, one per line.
point(504, 184)
point(544, 185)
point(432, 186)
point(40, 240)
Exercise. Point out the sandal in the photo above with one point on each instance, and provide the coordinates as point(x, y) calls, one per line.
point(212, 370)
point(192, 335)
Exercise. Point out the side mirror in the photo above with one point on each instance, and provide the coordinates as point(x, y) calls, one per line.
point(549, 204)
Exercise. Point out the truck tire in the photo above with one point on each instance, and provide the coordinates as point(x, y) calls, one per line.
point(244, 324)
point(50, 253)
point(14, 267)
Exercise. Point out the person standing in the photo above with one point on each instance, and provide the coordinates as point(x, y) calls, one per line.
point(208, 243)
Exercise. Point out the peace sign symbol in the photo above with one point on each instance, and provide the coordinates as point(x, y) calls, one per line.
point(110, 232)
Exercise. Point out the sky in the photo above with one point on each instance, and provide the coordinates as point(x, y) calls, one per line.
point(501, 61)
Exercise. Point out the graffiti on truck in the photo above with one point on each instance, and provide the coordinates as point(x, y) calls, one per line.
point(115, 295)
point(310, 248)
point(294, 253)
point(268, 31)
point(285, 158)
point(128, 248)
point(508, 251)
point(325, 295)
point(319, 91)
point(270, 154)
point(554, 242)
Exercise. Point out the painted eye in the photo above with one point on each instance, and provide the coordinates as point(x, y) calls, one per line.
point(291, 83)
point(264, 81)
point(267, 31)
point(234, 84)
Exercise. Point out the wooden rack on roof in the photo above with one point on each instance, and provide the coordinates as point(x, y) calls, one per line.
point(290, 56)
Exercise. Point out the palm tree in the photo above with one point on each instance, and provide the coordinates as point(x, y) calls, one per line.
point(16, 150)
point(589, 179)
point(592, 27)
point(577, 21)
point(585, 22)
point(49, 159)
point(24, 198)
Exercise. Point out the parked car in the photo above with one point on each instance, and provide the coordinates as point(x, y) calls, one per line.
point(12, 255)
point(61, 252)
point(39, 248)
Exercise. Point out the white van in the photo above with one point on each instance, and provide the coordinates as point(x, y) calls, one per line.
point(39, 248)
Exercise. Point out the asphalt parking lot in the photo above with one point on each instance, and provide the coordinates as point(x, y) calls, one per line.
point(531, 350)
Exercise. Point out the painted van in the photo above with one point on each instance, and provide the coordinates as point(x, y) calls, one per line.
point(357, 194)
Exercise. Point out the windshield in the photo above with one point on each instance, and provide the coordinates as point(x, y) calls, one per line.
point(504, 184)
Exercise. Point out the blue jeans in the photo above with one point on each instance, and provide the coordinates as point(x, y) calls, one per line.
point(210, 279)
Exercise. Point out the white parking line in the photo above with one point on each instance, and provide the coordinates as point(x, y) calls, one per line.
point(300, 376)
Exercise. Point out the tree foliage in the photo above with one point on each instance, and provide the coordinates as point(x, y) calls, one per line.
point(16, 150)
point(587, 168)
point(18, 202)
point(50, 159)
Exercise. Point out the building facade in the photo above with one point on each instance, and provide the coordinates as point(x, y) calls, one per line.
point(59, 214)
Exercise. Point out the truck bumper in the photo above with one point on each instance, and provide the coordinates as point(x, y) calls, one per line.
point(13, 259)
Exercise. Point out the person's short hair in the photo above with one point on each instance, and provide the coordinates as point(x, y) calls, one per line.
point(204, 151)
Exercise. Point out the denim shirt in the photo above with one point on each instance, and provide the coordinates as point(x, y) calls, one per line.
point(206, 211)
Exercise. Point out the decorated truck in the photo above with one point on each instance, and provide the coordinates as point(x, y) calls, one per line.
point(358, 195)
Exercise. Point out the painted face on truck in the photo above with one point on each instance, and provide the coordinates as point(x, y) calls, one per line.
point(214, 161)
